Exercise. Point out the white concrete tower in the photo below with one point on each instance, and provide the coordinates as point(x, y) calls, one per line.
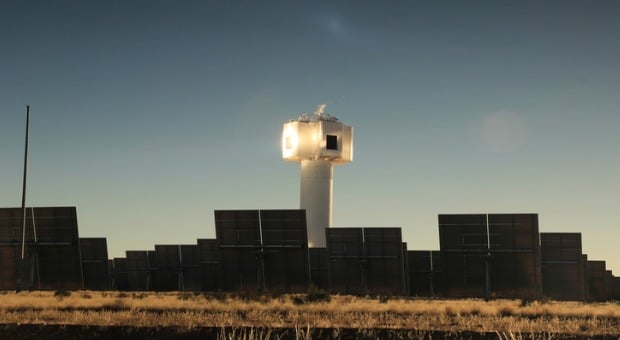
point(318, 141)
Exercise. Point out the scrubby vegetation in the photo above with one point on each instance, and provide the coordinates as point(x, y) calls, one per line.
point(305, 312)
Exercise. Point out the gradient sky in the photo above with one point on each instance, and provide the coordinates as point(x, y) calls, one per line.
point(149, 115)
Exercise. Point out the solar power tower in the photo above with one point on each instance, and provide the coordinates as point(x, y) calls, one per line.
point(424, 272)
point(318, 141)
point(597, 277)
point(495, 255)
point(366, 261)
point(95, 269)
point(50, 252)
point(562, 266)
point(264, 250)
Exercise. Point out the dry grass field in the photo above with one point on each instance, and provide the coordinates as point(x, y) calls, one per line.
point(306, 312)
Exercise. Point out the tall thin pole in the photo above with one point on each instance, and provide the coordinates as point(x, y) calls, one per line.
point(21, 263)
point(487, 258)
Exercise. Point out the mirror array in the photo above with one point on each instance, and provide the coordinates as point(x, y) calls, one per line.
point(480, 256)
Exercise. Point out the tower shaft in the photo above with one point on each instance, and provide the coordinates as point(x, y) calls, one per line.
point(317, 182)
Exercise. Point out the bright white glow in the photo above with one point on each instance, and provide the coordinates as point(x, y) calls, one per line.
point(290, 141)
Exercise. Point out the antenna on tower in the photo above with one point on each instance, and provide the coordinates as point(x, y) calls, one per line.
point(320, 109)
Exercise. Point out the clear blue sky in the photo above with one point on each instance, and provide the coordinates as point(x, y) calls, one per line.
point(148, 115)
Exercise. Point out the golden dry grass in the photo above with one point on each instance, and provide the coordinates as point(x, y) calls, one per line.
point(188, 310)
